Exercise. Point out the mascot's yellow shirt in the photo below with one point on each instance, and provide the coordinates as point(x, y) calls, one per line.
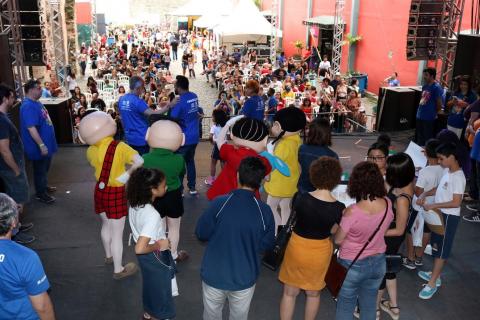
point(280, 185)
point(123, 155)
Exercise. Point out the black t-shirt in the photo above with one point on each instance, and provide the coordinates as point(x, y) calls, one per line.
point(315, 218)
point(9, 131)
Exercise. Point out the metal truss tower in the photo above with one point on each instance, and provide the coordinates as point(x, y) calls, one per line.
point(58, 42)
point(449, 30)
point(338, 35)
point(10, 24)
point(273, 36)
point(94, 23)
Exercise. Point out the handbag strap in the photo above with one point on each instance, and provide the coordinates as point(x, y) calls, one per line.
point(370, 238)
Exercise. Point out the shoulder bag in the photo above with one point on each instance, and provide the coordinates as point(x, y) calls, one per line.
point(337, 273)
point(272, 259)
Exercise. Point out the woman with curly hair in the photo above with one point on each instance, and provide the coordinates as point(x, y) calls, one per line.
point(310, 249)
point(371, 215)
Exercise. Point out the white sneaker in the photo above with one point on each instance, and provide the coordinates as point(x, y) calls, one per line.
point(428, 250)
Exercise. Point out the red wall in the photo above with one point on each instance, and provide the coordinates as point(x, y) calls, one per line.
point(383, 27)
point(83, 12)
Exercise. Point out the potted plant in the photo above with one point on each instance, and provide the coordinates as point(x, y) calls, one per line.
point(299, 46)
point(361, 77)
point(351, 40)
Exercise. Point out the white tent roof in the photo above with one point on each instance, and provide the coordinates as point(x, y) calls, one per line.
point(208, 21)
point(245, 19)
point(204, 7)
point(220, 9)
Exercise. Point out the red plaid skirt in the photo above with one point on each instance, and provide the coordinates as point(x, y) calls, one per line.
point(112, 201)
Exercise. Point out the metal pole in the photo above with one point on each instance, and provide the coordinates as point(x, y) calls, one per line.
point(353, 32)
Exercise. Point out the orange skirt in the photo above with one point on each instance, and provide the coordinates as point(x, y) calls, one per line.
point(306, 263)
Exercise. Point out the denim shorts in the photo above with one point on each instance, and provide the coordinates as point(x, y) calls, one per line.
point(16, 187)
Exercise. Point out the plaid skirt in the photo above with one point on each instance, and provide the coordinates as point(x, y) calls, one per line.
point(112, 201)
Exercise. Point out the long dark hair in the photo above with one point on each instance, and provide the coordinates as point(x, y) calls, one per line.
point(140, 185)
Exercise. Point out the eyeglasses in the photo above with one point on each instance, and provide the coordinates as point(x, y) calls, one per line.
point(375, 159)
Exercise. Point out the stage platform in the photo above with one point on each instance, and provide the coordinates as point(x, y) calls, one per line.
point(82, 286)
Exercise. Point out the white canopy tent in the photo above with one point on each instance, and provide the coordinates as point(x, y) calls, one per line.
point(204, 7)
point(245, 22)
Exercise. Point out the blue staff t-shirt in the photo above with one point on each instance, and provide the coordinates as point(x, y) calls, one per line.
point(456, 119)
point(34, 114)
point(21, 275)
point(186, 111)
point(135, 123)
point(254, 108)
point(427, 109)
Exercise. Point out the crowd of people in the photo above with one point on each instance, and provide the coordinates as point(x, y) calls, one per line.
point(394, 204)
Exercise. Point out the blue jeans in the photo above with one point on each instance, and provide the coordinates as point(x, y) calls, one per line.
point(188, 153)
point(361, 284)
point(40, 173)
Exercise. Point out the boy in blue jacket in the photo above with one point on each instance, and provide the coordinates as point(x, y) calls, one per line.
point(238, 228)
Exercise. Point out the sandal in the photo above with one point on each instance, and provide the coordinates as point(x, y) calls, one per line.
point(385, 305)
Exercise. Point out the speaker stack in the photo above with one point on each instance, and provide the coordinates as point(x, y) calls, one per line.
point(6, 70)
point(423, 29)
point(467, 61)
point(31, 32)
point(397, 108)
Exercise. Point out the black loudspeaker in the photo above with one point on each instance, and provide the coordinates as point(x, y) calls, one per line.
point(31, 32)
point(467, 61)
point(396, 110)
point(6, 71)
point(423, 25)
point(59, 112)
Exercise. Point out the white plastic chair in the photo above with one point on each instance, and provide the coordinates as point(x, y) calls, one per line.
point(123, 78)
point(100, 84)
point(114, 83)
point(107, 76)
point(88, 96)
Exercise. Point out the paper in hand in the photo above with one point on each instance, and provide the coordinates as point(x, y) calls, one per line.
point(416, 153)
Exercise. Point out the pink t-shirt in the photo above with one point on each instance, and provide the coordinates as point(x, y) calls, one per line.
point(359, 226)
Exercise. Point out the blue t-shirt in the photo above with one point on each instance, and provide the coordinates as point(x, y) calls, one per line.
point(393, 83)
point(272, 105)
point(427, 109)
point(46, 93)
point(475, 153)
point(456, 119)
point(254, 108)
point(186, 111)
point(134, 121)
point(21, 275)
point(34, 114)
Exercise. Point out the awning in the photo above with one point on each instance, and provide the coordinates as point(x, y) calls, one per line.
point(323, 22)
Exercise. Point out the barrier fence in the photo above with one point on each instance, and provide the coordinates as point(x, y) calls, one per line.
point(341, 123)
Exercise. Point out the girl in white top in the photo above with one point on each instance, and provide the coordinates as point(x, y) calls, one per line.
point(72, 83)
point(152, 245)
point(219, 118)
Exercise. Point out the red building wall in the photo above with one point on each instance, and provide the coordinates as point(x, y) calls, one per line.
point(83, 12)
point(383, 26)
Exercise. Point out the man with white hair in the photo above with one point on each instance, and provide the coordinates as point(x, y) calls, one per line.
point(22, 278)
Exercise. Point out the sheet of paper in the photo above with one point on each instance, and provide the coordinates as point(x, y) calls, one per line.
point(416, 153)
point(340, 193)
